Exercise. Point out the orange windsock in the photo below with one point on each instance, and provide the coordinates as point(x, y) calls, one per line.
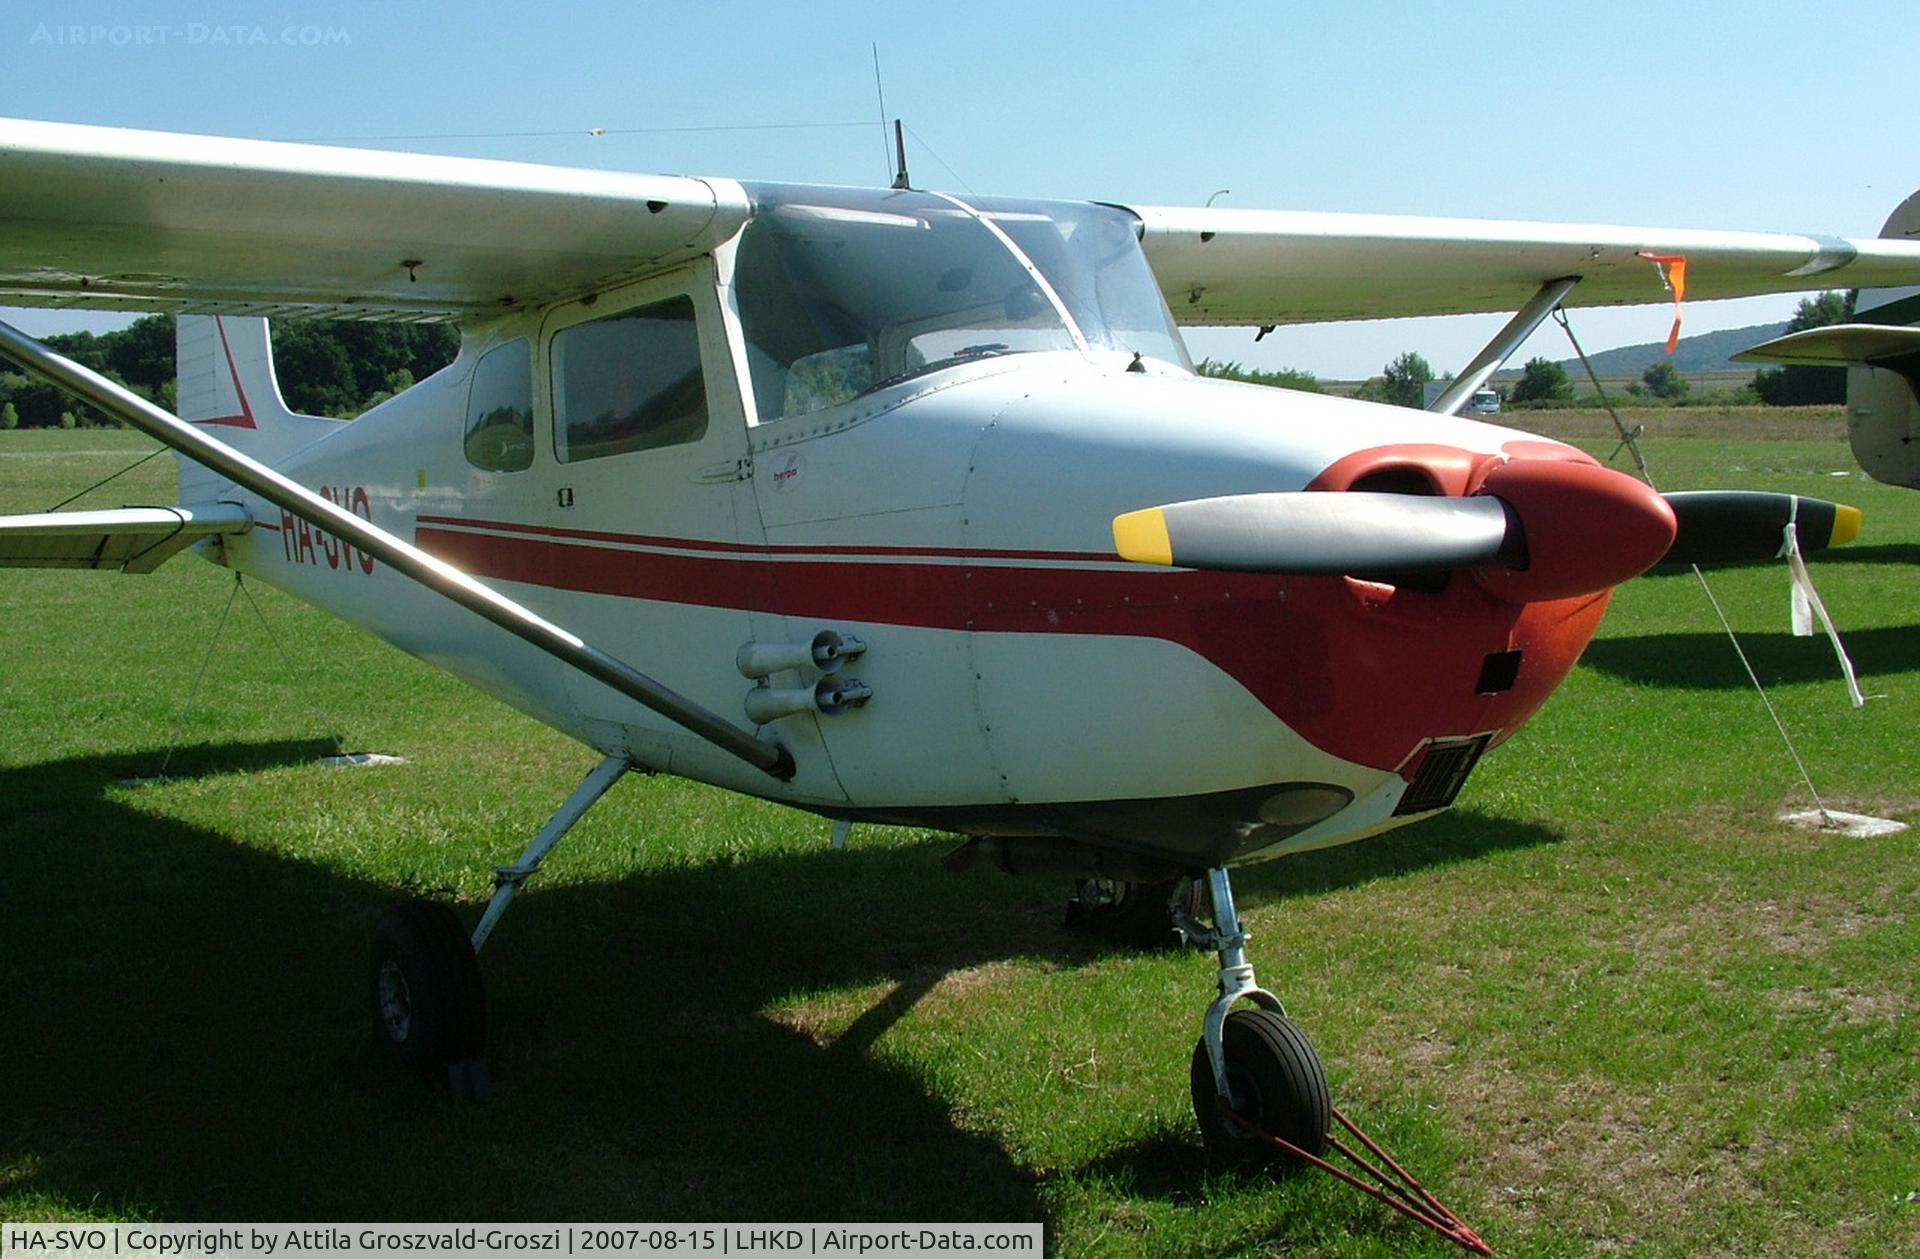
point(1673, 274)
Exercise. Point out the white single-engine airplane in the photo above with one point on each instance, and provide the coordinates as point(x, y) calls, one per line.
point(912, 503)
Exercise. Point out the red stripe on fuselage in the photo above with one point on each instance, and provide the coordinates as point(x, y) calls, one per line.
point(743, 548)
point(994, 597)
point(1362, 679)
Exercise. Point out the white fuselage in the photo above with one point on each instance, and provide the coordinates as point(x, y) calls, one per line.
point(1025, 680)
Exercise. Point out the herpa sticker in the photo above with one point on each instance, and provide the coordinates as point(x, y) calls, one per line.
point(786, 473)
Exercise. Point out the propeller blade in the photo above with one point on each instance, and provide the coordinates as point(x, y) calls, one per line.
point(1313, 533)
point(1732, 526)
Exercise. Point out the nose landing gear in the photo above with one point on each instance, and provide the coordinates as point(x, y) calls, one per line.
point(1259, 1089)
point(1253, 1071)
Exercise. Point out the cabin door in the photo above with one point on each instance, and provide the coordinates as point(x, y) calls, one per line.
point(652, 518)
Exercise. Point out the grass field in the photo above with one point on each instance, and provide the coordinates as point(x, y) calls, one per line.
point(1609, 1005)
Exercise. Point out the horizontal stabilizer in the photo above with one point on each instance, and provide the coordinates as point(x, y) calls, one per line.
point(131, 539)
point(1836, 346)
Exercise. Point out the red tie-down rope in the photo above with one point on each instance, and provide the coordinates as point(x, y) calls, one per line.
point(1396, 1187)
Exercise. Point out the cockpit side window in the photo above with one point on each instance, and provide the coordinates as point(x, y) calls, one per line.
point(499, 434)
point(630, 381)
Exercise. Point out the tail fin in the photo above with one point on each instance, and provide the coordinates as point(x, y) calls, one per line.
point(226, 384)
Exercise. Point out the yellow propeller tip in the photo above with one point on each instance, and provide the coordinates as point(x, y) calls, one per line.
point(1846, 525)
point(1141, 536)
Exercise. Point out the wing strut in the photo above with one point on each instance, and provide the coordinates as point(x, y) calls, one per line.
point(1504, 343)
point(435, 574)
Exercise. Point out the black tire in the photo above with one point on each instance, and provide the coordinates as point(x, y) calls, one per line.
point(1139, 914)
point(1277, 1082)
point(429, 1008)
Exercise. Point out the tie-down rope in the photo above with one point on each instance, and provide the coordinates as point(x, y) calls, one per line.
point(1802, 586)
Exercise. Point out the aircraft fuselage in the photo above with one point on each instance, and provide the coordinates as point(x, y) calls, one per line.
point(617, 465)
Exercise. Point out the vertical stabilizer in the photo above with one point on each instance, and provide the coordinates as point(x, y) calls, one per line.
point(227, 387)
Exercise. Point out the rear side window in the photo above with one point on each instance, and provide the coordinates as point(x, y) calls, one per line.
point(500, 409)
point(628, 382)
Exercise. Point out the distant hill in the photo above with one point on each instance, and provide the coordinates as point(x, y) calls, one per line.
point(1707, 352)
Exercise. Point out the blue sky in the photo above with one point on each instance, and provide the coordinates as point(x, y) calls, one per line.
point(1762, 115)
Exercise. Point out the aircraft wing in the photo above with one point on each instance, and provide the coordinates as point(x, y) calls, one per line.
point(1247, 267)
point(106, 218)
point(131, 539)
point(1837, 345)
point(111, 219)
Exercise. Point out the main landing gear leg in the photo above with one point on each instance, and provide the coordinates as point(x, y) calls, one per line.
point(1253, 1071)
point(429, 1007)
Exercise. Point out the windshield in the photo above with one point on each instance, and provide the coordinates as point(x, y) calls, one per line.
point(842, 291)
point(1091, 256)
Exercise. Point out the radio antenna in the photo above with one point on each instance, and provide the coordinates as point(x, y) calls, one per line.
point(900, 146)
point(881, 91)
point(897, 154)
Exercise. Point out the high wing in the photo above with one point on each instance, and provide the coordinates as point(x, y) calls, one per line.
point(1281, 267)
point(112, 219)
point(130, 539)
point(106, 218)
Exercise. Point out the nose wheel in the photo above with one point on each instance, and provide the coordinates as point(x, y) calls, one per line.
point(1254, 1073)
point(1275, 1086)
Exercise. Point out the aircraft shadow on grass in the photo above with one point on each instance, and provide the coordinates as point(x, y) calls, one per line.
point(1906, 554)
point(187, 1033)
point(1704, 661)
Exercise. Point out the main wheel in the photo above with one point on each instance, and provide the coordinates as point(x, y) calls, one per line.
point(1133, 913)
point(1277, 1083)
point(429, 1009)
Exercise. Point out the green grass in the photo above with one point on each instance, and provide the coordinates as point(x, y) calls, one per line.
point(1607, 1006)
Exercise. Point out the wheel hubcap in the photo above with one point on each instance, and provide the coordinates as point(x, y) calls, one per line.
point(1244, 1098)
point(396, 1003)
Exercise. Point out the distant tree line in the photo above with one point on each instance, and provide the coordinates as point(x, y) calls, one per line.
point(1284, 378)
point(327, 367)
point(324, 367)
point(335, 368)
point(1544, 383)
point(1809, 386)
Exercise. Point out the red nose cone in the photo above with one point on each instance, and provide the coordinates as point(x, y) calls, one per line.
point(1588, 528)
